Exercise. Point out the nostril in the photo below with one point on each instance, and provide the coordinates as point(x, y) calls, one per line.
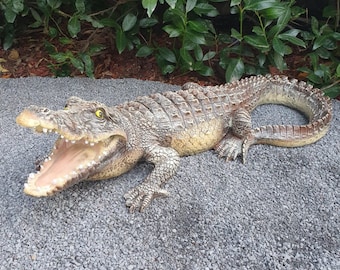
point(45, 110)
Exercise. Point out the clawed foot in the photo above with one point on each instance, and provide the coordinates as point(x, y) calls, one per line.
point(142, 195)
point(231, 147)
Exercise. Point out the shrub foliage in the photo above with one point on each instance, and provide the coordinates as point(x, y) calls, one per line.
point(261, 34)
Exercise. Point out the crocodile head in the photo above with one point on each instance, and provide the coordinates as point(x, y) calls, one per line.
point(89, 138)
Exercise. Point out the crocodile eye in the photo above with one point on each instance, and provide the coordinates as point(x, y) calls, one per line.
point(66, 107)
point(99, 113)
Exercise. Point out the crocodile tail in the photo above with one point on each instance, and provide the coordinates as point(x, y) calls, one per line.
point(303, 97)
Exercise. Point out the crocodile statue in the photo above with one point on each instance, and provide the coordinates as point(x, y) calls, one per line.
point(99, 142)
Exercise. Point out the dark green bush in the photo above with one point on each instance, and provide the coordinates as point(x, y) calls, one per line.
point(263, 33)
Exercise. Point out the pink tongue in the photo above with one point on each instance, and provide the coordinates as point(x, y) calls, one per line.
point(65, 160)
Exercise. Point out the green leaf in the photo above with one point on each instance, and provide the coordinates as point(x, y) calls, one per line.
point(65, 40)
point(176, 16)
point(109, 23)
point(148, 22)
point(323, 53)
point(333, 91)
point(256, 5)
point(335, 35)
point(258, 31)
point(292, 39)
point(8, 40)
point(190, 4)
point(54, 4)
point(36, 24)
point(235, 70)
point(315, 79)
point(172, 31)
point(95, 48)
point(320, 41)
point(188, 60)
point(198, 26)
point(262, 59)
point(274, 12)
point(235, 34)
point(281, 48)
point(315, 26)
point(89, 67)
point(95, 23)
point(330, 44)
point(129, 22)
point(168, 55)
point(121, 40)
point(194, 37)
point(61, 57)
point(198, 53)
point(144, 51)
point(73, 26)
point(284, 18)
point(150, 6)
point(171, 3)
point(77, 63)
point(279, 61)
point(52, 32)
point(10, 15)
point(297, 11)
point(203, 69)
point(235, 3)
point(206, 9)
point(36, 15)
point(338, 71)
point(209, 55)
point(80, 6)
point(17, 6)
point(167, 69)
point(258, 42)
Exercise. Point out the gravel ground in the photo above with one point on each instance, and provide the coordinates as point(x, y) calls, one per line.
point(278, 211)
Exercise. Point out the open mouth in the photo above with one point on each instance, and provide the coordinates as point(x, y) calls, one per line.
point(69, 163)
point(75, 156)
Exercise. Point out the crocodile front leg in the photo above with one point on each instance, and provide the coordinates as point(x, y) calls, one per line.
point(166, 161)
point(238, 140)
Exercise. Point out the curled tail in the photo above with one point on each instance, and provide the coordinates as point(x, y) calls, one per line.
point(303, 97)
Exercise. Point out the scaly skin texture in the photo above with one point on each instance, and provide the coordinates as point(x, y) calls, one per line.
point(99, 142)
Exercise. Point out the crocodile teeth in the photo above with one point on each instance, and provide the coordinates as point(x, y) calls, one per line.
point(62, 136)
point(44, 188)
point(86, 142)
point(31, 175)
point(73, 141)
point(92, 144)
point(58, 181)
point(45, 130)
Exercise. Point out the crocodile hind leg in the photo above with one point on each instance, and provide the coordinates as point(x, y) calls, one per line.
point(239, 138)
point(166, 161)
